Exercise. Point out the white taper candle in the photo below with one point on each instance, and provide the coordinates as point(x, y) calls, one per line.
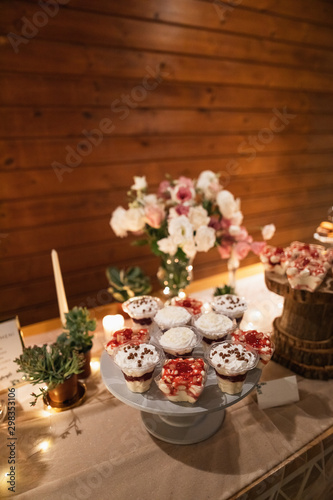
point(61, 295)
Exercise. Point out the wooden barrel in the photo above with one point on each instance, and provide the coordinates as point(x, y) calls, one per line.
point(303, 335)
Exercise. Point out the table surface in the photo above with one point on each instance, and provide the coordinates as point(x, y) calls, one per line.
point(101, 449)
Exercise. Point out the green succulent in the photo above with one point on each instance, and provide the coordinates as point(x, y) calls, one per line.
point(77, 328)
point(50, 364)
point(127, 283)
point(224, 290)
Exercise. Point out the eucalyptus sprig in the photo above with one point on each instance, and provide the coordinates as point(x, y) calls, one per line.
point(49, 364)
point(127, 283)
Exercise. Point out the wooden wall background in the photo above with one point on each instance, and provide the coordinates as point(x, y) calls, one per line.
point(224, 67)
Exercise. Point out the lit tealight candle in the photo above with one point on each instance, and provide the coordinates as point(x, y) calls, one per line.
point(112, 323)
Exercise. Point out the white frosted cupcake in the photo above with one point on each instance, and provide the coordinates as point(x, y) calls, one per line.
point(137, 362)
point(142, 310)
point(231, 363)
point(213, 327)
point(230, 305)
point(178, 341)
point(172, 316)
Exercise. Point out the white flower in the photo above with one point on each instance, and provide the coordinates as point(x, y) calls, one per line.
point(150, 199)
point(140, 183)
point(204, 238)
point(227, 203)
point(208, 183)
point(234, 230)
point(118, 222)
point(180, 229)
point(167, 245)
point(268, 231)
point(198, 216)
point(237, 218)
point(135, 219)
point(189, 249)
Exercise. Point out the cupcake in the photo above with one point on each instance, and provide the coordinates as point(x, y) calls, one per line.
point(183, 379)
point(231, 362)
point(124, 336)
point(172, 316)
point(259, 341)
point(230, 305)
point(137, 362)
point(178, 341)
point(193, 306)
point(142, 310)
point(213, 327)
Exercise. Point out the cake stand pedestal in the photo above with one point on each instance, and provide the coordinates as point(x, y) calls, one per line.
point(303, 335)
point(176, 423)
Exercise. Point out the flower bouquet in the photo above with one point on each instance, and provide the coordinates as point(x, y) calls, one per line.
point(184, 217)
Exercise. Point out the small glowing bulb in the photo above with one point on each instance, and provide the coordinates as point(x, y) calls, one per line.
point(44, 445)
point(182, 295)
point(166, 290)
point(94, 365)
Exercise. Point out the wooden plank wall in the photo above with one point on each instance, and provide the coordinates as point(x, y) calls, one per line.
point(216, 75)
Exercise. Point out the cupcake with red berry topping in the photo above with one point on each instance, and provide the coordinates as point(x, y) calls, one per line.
point(260, 342)
point(232, 362)
point(124, 336)
point(142, 310)
point(137, 363)
point(193, 306)
point(183, 379)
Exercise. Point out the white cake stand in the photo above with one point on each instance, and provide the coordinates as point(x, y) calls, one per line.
point(177, 423)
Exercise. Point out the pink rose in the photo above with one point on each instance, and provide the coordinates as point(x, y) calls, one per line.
point(154, 215)
point(224, 250)
point(242, 249)
point(185, 181)
point(163, 189)
point(257, 247)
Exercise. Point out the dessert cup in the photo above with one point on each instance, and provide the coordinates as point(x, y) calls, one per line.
point(193, 306)
point(230, 305)
point(142, 310)
point(213, 327)
point(274, 259)
point(231, 362)
point(178, 341)
point(307, 273)
point(260, 342)
point(137, 363)
point(183, 379)
point(124, 336)
point(172, 316)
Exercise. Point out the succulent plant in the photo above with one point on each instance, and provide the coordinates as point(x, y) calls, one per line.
point(77, 328)
point(127, 283)
point(50, 364)
point(224, 290)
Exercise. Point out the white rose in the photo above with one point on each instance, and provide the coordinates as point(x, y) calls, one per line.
point(236, 218)
point(140, 183)
point(167, 245)
point(268, 231)
point(150, 199)
point(189, 249)
point(135, 219)
point(180, 229)
point(227, 203)
point(204, 238)
point(198, 216)
point(118, 222)
point(208, 183)
point(234, 230)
